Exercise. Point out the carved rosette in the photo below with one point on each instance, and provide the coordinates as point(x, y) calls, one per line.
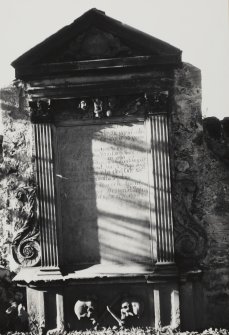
point(26, 241)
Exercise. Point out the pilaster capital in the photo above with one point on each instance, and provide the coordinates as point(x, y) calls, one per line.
point(41, 111)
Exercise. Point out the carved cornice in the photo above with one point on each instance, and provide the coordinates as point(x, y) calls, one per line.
point(26, 242)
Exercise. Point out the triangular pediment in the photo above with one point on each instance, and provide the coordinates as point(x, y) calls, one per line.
point(94, 43)
point(95, 36)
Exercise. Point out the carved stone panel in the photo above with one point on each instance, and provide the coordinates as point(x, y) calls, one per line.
point(26, 241)
point(94, 44)
point(190, 236)
point(105, 108)
point(104, 191)
point(115, 305)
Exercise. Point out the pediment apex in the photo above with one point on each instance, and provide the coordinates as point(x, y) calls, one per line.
point(95, 35)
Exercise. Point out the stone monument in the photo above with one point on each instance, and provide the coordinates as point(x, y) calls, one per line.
point(97, 247)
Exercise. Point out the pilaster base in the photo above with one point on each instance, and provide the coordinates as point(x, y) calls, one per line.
point(50, 271)
point(192, 301)
point(166, 269)
point(166, 305)
point(45, 310)
point(30, 276)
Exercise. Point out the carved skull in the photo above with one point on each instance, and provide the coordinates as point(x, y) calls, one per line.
point(85, 310)
point(125, 310)
point(83, 105)
point(130, 308)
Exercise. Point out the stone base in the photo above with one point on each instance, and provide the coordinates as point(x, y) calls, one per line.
point(51, 305)
point(192, 301)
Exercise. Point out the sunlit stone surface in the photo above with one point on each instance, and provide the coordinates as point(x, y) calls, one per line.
point(105, 194)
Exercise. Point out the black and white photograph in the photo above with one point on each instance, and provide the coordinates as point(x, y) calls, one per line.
point(114, 167)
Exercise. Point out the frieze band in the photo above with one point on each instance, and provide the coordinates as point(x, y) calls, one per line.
point(139, 105)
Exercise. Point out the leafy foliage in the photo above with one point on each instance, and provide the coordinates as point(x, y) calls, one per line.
point(132, 331)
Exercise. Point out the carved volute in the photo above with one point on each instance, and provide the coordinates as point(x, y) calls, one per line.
point(26, 241)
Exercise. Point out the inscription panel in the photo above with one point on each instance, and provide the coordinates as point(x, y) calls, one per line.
point(104, 191)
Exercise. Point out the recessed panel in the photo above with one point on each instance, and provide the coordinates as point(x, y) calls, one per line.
point(104, 194)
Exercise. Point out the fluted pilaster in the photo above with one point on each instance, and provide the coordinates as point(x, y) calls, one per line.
point(162, 184)
point(46, 195)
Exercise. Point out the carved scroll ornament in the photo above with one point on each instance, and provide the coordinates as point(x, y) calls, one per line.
point(26, 245)
point(190, 236)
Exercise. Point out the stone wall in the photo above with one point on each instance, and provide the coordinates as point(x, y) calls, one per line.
point(200, 199)
point(16, 168)
point(216, 219)
point(200, 182)
point(188, 153)
point(16, 173)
